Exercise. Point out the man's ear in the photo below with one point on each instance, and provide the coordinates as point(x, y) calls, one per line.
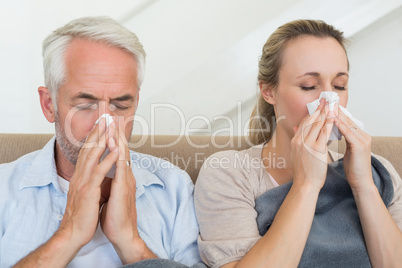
point(46, 104)
point(267, 92)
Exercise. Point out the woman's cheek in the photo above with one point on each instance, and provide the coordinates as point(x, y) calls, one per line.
point(343, 99)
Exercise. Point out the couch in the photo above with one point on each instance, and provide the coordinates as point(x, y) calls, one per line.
point(187, 152)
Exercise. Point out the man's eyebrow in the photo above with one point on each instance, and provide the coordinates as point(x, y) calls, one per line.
point(126, 97)
point(83, 95)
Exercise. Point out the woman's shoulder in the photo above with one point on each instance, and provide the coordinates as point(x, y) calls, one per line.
point(395, 207)
point(396, 179)
point(227, 169)
point(247, 159)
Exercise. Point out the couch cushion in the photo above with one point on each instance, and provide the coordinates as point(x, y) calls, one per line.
point(187, 152)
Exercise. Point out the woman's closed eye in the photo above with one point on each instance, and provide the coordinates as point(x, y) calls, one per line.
point(308, 87)
point(340, 87)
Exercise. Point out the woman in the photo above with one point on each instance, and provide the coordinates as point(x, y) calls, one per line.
point(311, 225)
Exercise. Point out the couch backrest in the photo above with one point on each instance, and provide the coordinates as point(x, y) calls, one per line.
point(187, 152)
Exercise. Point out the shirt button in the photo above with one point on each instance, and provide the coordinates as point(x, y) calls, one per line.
point(59, 217)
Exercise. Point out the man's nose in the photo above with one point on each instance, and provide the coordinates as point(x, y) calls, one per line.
point(107, 108)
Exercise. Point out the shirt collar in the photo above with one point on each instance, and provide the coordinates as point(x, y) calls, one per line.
point(145, 174)
point(42, 170)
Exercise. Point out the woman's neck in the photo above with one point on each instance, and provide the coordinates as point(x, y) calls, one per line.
point(276, 156)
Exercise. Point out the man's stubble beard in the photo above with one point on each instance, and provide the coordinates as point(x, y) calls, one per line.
point(69, 150)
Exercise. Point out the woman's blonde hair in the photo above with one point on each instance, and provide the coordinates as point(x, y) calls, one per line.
point(262, 120)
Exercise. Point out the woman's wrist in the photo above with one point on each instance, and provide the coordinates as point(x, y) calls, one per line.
point(364, 190)
point(307, 187)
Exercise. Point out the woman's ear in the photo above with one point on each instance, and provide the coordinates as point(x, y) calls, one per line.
point(267, 92)
point(46, 104)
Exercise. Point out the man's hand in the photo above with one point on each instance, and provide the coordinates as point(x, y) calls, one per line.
point(82, 210)
point(81, 215)
point(119, 213)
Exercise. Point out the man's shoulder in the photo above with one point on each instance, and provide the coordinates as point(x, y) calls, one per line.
point(161, 168)
point(152, 163)
point(12, 173)
point(20, 164)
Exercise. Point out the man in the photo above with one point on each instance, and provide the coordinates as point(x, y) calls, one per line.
point(57, 206)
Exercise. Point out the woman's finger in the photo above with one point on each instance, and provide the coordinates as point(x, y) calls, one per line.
point(326, 130)
point(351, 133)
point(316, 126)
point(306, 124)
point(343, 117)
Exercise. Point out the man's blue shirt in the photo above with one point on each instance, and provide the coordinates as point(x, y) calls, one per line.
point(32, 206)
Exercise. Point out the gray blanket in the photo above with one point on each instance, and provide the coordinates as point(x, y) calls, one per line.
point(336, 236)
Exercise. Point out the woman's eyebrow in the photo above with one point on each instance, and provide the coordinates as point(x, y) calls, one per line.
point(342, 73)
point(309, 73)
point(316, 74)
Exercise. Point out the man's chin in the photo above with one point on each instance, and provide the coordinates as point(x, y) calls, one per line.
point(69, 151)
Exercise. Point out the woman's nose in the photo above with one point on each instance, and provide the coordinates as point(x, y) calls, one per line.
point(327, 87)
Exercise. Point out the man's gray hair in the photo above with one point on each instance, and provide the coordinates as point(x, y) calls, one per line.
point(99, 29)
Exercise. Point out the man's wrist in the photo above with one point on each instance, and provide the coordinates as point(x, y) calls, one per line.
point(63, 241)
point(133, 251)
point(58, 251)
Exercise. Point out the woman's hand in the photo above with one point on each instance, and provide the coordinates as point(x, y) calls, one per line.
point(357, 159)
point(309, 147)
point(381, 234)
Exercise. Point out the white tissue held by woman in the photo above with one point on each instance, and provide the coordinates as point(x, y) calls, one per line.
point(332, 98)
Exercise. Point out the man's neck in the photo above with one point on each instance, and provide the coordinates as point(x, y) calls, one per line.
point(64, 167)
